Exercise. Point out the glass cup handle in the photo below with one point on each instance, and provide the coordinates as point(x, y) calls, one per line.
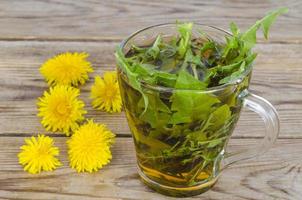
point(270, 118)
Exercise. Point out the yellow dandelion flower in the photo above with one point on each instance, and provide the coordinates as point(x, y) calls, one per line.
point(106, 94)
point(60, 109)
point(89, 147)
point(67, 69)
point(39, 154)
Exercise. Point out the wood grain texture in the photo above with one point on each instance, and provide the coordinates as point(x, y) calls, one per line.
point(34, 30)
point(277, 77)
point(275, 175)
point(81, 20)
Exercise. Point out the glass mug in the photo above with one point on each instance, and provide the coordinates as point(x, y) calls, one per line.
point(186, 159)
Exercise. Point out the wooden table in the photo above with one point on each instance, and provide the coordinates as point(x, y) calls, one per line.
point(32, 31)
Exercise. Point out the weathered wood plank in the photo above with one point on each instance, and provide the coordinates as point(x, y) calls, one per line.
point(277, 77)
point(107, 19)
point(274, 175)
point(31, 31)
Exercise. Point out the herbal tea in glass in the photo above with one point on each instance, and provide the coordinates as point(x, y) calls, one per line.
point(183, 86)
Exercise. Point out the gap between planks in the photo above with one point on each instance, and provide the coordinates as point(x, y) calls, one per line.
point(60, 135)
point(114, 39)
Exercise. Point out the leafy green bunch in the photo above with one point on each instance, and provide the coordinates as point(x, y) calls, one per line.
point(229, 59)
point(217, 64)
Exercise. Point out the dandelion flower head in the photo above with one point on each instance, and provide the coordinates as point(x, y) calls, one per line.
point(89, 147)
point(67, 69)
point(105, 93)
point(60, 109)
point(39, 154)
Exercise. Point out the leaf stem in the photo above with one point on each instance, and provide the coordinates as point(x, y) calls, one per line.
point(194, 71)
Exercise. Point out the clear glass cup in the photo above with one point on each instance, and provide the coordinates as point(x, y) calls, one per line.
point(186, 159)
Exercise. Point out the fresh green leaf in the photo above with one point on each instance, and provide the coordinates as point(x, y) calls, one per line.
point(157, 114)
point(249, 37)
point(189, 106)
point(185, 31)
point(220, 116)
point(165, 79)
point(270, 18)
point(187, 81)
point(235, 75)
point(229, 68)
point(234, 28)
point(154, 50)
point(132, 77)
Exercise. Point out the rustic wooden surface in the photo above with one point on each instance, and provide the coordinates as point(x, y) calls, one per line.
point(32, 31)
